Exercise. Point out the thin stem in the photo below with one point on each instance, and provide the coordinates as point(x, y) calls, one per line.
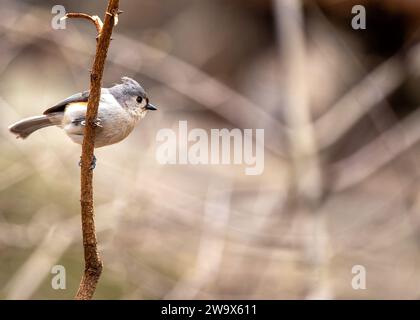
point(95, 19)
point(93, 263)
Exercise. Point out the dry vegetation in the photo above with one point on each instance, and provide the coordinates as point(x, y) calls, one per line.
point(340, 186)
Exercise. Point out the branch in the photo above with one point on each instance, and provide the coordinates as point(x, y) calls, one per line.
point(389, 145)
point(93, 263)
point(355, 104)
point(307, 183)
point(303, 146)
point(94, 19)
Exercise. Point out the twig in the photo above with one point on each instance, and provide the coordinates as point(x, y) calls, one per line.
point(307, 182)
point(93, 263)
point(210, 250)
point(303, 147)
point(378, 153)
point(95, 19)
point(355, 104)
point(364, 97)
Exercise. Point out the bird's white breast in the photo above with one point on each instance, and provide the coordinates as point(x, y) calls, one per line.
point(116, 122)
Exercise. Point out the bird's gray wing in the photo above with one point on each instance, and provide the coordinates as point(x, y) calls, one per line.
point(59, 107)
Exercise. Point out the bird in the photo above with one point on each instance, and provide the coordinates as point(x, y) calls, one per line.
point(120, 108)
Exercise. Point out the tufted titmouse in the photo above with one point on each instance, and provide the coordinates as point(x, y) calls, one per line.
point(120, 108)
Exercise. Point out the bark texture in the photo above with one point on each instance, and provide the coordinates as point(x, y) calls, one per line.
point(93, 263)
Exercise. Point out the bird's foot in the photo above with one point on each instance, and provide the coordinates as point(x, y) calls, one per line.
point(96, 123)
point(92, 165)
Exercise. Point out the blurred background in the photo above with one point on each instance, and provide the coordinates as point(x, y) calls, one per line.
point(341, 182)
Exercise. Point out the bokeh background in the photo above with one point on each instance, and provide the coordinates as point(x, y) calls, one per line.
point(341, 181)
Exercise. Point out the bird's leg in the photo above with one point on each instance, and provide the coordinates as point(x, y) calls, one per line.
point(92, 164)
point(96, 123)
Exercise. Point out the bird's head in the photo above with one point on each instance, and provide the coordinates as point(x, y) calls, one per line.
point(130, 94)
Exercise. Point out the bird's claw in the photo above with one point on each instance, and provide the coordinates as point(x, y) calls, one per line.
point(92, 165)
point(96, 123)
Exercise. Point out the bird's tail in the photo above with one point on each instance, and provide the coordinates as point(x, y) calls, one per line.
point(25, 127)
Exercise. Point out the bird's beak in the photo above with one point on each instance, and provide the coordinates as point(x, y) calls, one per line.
point(150, 107)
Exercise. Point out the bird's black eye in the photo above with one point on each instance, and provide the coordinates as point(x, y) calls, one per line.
point(139, 99)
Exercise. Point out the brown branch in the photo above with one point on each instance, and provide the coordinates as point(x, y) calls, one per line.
point(94, 19)
point(93, 263)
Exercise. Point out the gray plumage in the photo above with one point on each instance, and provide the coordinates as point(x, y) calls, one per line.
point(26, 126)
point(120, 108)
